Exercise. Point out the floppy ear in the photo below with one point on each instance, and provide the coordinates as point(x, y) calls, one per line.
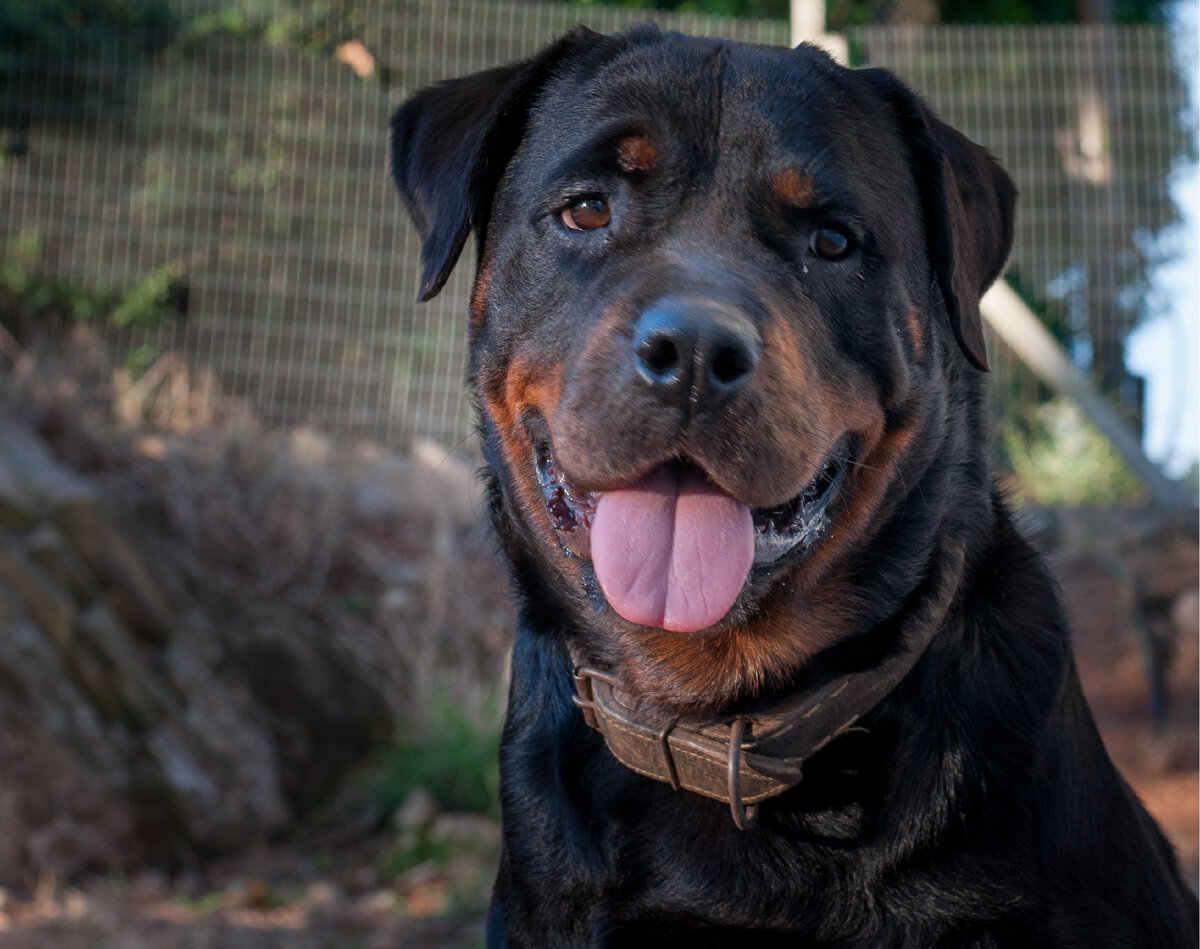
point(451, 143)
point(968, 201)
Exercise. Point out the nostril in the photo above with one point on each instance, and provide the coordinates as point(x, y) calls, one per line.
point(695, 349)
point(730, 365)
point(660, 356)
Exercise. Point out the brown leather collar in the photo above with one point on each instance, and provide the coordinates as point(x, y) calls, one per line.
point(750, 758)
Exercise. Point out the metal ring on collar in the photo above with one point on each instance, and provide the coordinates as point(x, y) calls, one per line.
point(745, 816)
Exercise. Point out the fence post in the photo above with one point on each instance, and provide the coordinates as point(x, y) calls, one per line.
point(1024, 333)
point(808, 25)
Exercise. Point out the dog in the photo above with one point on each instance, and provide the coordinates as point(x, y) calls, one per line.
point(785, 673)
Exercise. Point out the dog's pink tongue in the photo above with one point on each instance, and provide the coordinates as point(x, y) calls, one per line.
point(672, 551)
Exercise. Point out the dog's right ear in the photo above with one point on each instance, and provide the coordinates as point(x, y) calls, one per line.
point(451, 143)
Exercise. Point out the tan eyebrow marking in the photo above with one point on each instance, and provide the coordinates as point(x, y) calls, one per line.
point(636, 153)
point(794, 188)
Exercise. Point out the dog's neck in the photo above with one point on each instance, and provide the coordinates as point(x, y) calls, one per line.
point(756, 754)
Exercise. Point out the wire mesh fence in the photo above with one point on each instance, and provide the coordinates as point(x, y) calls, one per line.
point(222, 170)
point(1087, 121)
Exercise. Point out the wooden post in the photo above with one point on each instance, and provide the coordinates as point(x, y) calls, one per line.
point(808, 26)
point(1020, 328)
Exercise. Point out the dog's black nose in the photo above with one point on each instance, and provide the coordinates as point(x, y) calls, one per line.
point(689, 349)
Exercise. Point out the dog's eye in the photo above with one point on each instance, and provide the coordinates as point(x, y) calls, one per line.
point(829, 244)
point(586, 214)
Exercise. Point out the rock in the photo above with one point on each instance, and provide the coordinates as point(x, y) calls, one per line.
point(220, 740)
point(104, 641)
point(189, 783)
point(63, 776)
point(469, 831)
point(321, 893)
point(46, 603)
point(13, 838)
point(132, 725)
point(140, 599)
point(47, 548)
point(417, 812)
point(93, 676)
point(1185, 615)
point(377, 904)
point(295, 669)
point(19, 508)
point(44, 478)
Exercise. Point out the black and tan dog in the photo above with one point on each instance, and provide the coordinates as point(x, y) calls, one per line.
point(785, 673)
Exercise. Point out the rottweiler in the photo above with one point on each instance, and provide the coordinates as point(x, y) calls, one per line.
point(785, 673)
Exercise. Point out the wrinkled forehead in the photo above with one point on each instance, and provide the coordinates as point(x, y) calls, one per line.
point(712, 102)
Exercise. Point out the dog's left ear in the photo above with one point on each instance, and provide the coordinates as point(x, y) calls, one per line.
point(968, 201)
point(451, 143)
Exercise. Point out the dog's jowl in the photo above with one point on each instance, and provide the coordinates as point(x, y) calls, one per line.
point(785, 674)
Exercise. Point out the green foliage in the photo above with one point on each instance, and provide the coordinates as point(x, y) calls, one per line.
point(455, 759)
point(313, 26)
point(157, 297)
point(74, 27)
point(421, 848)
point(152, 300)
point(74, 57)
point(356, 604)
point(138, 359)
point(19, 276)
point(1060, 459)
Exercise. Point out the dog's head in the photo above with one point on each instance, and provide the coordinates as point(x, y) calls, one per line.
point(725, 337)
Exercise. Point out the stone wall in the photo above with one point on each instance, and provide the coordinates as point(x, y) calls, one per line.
point(133, 725)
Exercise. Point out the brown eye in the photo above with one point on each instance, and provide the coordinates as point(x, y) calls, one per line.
point(829, 244)
point(587, 214)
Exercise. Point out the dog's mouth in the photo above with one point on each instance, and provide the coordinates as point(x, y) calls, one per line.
point(675, 535)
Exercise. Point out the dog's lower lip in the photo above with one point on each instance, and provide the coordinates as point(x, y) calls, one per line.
point(802, 520)
point(798, 522)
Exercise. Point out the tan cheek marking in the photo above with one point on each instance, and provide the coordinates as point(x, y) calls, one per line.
point(535, 380)
point(876, 475)
point(527, 384)
point(790, 380)
point(786, 362)
point(483, 285)
point(832, 407)
point(636, 154)
point(916, 331)
point(531, 386)
point(793, 188)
